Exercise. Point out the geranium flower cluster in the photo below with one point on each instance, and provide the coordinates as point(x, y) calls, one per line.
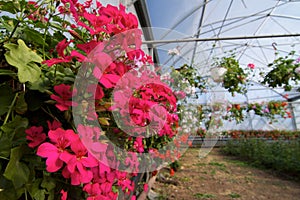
point(269, 110)
point(65, 151)
point(135, 108)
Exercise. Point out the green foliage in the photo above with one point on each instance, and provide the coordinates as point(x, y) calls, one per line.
point(5, 98)
point(283, 72)
point(235, 77)
point(234, 195)
point(281, 155)
point(24, 59)
point(194, 79)
point(17, 171)
point(273, 134)
point(204, 196)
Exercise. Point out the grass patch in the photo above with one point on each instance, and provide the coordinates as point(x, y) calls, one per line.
point(217, 164)
point(204, 196)
point(239, 163)
point(199, 164)
point(234, 195)
point(185, 179)
point(220, 166)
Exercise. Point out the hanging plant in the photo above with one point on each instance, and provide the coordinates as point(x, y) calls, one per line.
point(235, 112)
point(190, 74)
point(234, 78)
point(285, 72)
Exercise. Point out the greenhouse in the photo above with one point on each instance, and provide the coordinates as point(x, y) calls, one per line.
point(148, 99)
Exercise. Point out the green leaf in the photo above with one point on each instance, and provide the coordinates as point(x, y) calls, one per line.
point(5, 146)
point(9, 131)
point(6, 98)
point(6, 72)
point(41, 85)
point(17, 171)
point(34, 190)
point(21, 105)
point(7, 23)
point(24, 59)
point(19, 137)
point(48, 183)
point(8, 191)
point(11, 127)
point(34, 36)
point(34, 100)
point(10, 6)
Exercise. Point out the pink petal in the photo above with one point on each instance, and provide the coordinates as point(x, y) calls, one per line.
point(75, 178)
point(72, 164)
point(66, 157)
point(109, 80)
point(90, 161)
point(53, 163)
point(46, 150)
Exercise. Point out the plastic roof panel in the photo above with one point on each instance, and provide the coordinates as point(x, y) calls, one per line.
point(231, 18)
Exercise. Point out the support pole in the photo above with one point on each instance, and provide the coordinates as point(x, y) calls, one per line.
point(219, 38)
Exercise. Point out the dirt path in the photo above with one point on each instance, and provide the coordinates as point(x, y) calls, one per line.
point(222, 177)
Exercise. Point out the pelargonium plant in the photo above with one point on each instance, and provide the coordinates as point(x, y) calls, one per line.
point(82, 116)
point(284, 72)
point(234, 79)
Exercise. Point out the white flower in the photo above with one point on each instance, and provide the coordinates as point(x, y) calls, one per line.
point(188, 90)
point(297, 70)
point(166, 76)
point(174, 52)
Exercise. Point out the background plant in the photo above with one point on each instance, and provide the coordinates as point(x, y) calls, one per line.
point(235, 77)
point(284, 72)
point(281, 156)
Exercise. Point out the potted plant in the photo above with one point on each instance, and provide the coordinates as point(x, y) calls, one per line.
point(231, 74)
point(284, 72)
point(61, 104)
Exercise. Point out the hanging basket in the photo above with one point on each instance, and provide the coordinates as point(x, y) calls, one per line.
point(218, 74)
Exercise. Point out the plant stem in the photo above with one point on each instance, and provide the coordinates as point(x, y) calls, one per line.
point(10, 109)
point(26, 197)
point(13, 31)
point(1, 157)
point(49, 114)
point(46, 30)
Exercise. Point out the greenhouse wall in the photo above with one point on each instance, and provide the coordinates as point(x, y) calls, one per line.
point(296, 113)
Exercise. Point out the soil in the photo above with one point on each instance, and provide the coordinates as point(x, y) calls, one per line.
point(218, 176)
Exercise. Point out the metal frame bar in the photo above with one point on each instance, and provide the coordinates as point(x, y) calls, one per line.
point(219, 38)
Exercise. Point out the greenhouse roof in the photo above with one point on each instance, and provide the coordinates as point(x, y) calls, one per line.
point(200, 31)
point(252, 30)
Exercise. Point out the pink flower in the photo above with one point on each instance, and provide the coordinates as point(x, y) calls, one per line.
point(35, 135)
point(132, 162)
point(133, 197)
point(96, 90)
point(97, 191)
point(63, 58)
point(138, 145)
point(64, 195)
point(251, 65)
point(63, 100)
point(54, 125)
point(124, 182)
point(146, 187)
point(77, 164)
point(54, 151)
point(88, 47)
point(109, 80)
